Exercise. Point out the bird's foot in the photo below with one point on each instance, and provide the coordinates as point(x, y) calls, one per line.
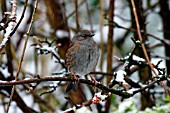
point(94, 81)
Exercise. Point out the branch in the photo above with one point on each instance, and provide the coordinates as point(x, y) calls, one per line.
point(22, 56)
point(56, 78)
point(143, 46)
point(134, 30)
point(2, 45)
point(125, 94)
point(77, 16)
point(11, 24)
point(89, 17)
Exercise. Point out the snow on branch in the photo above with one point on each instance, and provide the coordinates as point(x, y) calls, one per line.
point(46, 47)
point(10, 25)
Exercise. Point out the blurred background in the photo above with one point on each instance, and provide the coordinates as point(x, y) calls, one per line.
point(57, 21)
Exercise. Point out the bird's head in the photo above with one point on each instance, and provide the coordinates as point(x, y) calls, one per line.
point(84, 36)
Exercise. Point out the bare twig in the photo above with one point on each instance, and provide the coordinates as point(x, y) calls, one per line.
point(143, 46)
point(77, 17)
point(147, 86)
point(11, 25)
point(15, 28)
point(134, 30)
point(72, 13)
point(20, 20)
point(23, 52)
point(6, 35)
point(110, 40)
point(110, 49)
point(88, 14)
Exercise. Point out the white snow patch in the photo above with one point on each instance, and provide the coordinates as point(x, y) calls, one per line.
point(5, 72)
point(26, 78)
point(132, 90)
point(137, 58)
point(120, 76)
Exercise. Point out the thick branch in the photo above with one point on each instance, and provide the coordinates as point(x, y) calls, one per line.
point(88, 82)
point(56, 78)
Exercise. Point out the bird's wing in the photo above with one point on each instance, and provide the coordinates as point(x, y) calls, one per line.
point(71, 54)
point(78, 56)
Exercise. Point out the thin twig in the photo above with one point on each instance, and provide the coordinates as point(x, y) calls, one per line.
point(11, 25)
point(16, 27)
point(89, 17)
point(147, 86)
point(102, 47)
point(76, 12)
point(143, 46)
point(72, 13)
point(6, 35)
point(20, 20)
point(134, 30)
point(22, 56)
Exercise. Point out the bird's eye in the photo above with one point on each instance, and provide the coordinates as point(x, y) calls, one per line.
point(80, 38)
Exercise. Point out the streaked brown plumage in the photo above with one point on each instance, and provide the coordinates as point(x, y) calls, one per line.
point(83, 54)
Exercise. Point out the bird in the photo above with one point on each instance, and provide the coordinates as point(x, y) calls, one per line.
point(81, 57)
